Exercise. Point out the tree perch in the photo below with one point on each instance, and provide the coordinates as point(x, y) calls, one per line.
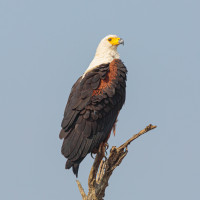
point(102, 168)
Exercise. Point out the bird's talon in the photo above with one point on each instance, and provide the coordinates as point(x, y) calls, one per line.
point(91, 155)
point(106, 146)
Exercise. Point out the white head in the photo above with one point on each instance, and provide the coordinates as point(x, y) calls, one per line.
point(106, 51)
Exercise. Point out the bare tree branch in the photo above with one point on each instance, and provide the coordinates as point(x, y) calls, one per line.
point(84, 196)
point(102, 169)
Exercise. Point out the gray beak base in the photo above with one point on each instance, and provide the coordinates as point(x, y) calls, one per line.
point(121, 41)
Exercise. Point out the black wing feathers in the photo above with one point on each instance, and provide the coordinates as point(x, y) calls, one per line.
point(88, 118)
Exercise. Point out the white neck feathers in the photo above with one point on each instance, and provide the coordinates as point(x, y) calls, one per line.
point(105, 54)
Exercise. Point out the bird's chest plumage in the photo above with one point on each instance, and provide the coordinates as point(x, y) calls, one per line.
point(107, 82)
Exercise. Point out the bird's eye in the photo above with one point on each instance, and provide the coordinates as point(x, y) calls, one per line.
point(109, 39)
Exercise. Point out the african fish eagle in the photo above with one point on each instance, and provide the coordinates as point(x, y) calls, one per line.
point(94, 104)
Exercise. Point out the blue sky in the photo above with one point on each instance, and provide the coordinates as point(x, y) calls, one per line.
point(46, 45)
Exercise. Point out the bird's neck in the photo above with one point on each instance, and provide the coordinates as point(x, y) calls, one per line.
point(103, 56)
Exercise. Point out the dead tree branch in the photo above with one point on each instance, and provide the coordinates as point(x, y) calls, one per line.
point(102, 168)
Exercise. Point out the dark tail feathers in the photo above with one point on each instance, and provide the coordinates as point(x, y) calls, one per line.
point(75, 167)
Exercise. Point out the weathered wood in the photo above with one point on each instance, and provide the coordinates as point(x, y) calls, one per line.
point(102, 170)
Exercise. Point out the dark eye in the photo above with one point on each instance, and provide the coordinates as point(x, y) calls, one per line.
point(109, 39)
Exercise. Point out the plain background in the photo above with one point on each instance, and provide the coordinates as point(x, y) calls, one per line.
point(46, 45)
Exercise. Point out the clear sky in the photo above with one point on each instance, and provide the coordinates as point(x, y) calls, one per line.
point(46, 45)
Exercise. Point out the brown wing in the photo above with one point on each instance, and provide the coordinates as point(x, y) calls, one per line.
point(91, 111)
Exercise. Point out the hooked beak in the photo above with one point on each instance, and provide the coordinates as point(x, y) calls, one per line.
point(121, 41)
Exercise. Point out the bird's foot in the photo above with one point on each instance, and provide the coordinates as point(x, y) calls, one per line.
point(92, 155)
point(106, 146)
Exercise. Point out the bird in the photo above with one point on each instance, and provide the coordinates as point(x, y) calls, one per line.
point(94, 103)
